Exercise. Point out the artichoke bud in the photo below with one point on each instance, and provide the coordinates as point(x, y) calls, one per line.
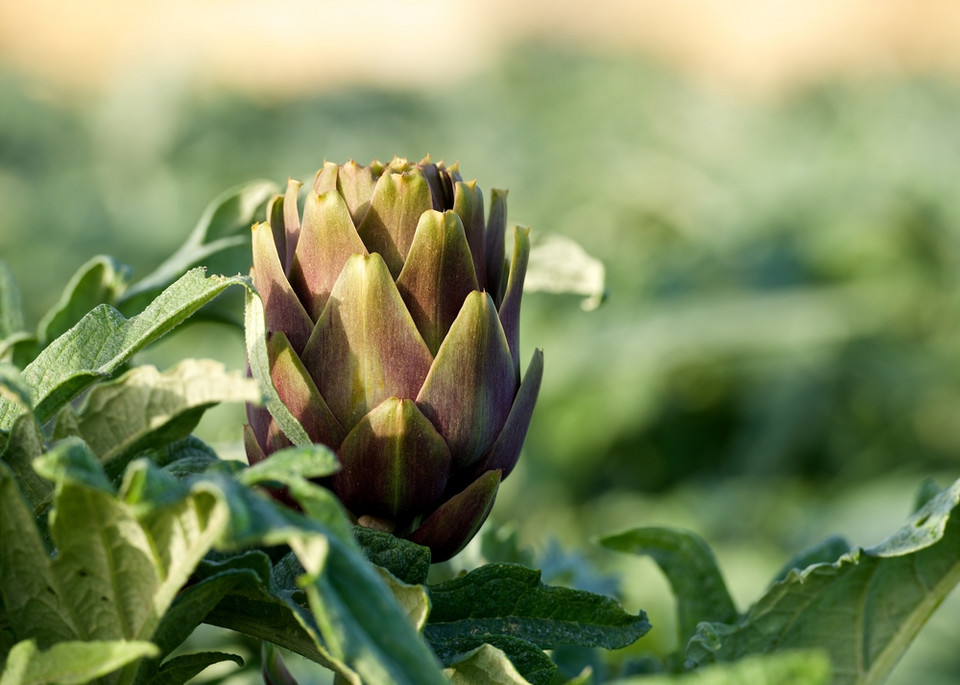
point(393, 322)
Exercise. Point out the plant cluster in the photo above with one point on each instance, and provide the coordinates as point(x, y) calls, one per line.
point(121, 532)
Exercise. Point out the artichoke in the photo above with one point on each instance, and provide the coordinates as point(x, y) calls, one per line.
point(392, 322)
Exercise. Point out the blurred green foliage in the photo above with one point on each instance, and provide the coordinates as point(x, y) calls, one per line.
point(783, 328)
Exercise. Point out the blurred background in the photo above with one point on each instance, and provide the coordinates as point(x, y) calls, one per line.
point(772, 187)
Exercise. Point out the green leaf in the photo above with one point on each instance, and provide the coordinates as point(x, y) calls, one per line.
point(560, 265)
point(308, 461)
point(24, 444)
point(117, 568)
point(12, 385)
point(220, 242)
point(11, 306)
point(70, 663)
point(825, 552)
point(100, 281)
point(182, 669)
point(864, 609)
point(406, 560)
point(361, 624)
point(692, 570)
point(485, 665)
point(782, 668)
point(258, 359)
point(187, 612)
point(38, 607)
point(507, 599)
point(527, 660)
point(103, 340)
point(146, 409)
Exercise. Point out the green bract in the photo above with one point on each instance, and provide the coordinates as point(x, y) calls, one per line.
point(393, 325)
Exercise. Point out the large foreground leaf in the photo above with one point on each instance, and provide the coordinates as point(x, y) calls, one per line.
point(70, 663)
point(119, 561)
point(103, 340)
point(146, 409)
point(864, 609)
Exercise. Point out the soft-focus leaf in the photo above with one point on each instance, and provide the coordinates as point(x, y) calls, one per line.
point(560, 265)
point(24, 444)
point(103, 340)
point(11, 307)
point(70, 663)
point(783, 668)
point(864, 609)
point(484, 665)
point(12, 385)
point(692, 570)
point(182, 669)
point(506, 599)
point(220, 242)
point(272, 668)
point(100, 281)
point(146, 409)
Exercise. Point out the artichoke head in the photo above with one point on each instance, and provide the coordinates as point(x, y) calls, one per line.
point(392, 322)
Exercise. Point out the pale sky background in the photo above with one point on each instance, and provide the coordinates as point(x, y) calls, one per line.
point(295, 45)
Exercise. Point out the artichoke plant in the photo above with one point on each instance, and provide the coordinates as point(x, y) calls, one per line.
point(392, 323)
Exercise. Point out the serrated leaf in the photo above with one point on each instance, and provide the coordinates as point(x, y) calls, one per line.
point(100, 281)
point(691, 568)
point(187, 612)
point(485, 665)
point(864, 609)
point(507, 599)
point(220, 242)
point(825, 552)
point(146, 409)
point(407, 561)
point(182, 669)
point(782, 668)
point(70, 663)
point(103, 340)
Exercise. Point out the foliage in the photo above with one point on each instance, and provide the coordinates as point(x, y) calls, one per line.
point(781, 305)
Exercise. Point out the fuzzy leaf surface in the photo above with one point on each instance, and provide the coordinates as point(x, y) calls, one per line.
point(146, 409)
point(864, 609)
point(100, 281)
point(103, 340)
point(508, 599)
